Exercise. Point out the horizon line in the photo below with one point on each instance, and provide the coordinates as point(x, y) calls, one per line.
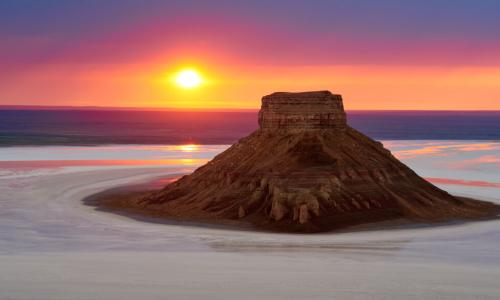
point(178, 109)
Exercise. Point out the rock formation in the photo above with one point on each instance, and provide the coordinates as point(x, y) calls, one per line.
point(306, 170)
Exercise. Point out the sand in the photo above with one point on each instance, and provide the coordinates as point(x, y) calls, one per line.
point(53, 247)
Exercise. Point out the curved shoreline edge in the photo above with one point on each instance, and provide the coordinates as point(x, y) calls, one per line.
point(120, 201)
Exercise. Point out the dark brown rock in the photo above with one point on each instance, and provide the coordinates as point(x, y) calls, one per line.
point(305, 169)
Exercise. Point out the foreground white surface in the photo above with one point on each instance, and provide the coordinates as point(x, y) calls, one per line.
point(53, 247)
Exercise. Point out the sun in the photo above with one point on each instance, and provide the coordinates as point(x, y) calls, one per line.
point(188, 79)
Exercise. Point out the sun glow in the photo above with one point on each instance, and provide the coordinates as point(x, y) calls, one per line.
point(189, 148)
point(188, 79)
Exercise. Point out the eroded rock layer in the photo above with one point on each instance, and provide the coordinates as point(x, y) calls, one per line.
point(302, 111)
point(305, 169)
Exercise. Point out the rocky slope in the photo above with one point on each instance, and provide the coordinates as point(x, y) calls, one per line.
point(306, 170)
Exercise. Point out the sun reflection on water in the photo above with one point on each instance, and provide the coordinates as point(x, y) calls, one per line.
point(189, 148)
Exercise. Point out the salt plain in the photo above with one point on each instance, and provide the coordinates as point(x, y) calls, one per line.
point(54, 247)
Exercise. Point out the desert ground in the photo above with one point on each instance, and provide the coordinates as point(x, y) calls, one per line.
point(54, 247)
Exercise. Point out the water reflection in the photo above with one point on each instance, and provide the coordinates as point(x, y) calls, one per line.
point(448, 164)
point(80, 163)
point(189, 148)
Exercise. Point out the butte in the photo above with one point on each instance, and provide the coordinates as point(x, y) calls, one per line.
point(305, 170)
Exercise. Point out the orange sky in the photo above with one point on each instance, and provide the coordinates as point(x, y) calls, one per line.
point(384, 55)
point(242, 86)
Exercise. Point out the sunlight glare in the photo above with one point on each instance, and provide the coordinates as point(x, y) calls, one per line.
point(188, 79)
point(189, 148)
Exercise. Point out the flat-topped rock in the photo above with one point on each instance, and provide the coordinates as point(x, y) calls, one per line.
point(304, 170)
point(302, 111)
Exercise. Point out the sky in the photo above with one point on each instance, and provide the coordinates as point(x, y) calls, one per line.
point(385, 54)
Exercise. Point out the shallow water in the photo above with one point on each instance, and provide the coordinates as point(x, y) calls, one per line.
point(53, 247)
point(98, 127)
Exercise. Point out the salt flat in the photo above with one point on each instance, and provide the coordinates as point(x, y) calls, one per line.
point(53, 247)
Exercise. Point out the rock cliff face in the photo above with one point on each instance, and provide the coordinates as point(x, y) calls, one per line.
point(302, 111)
point(306, 170)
